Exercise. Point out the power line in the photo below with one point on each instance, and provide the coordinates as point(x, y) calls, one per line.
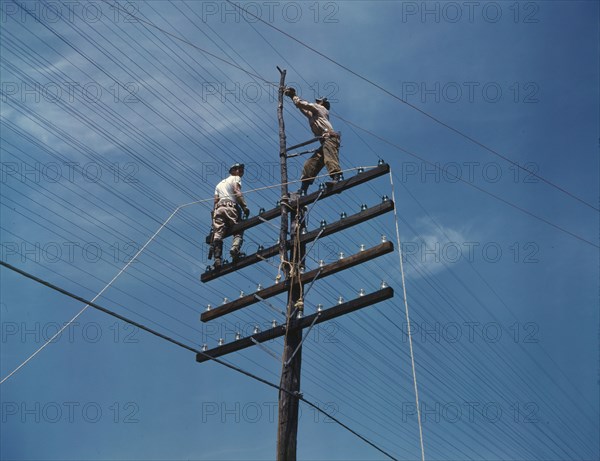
point(176, 37)
point(185, 346)
point(454, 176)
point(389, 142)
point(439, 360)
point(421, 111)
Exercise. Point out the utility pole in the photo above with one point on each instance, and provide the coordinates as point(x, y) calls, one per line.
point(287, 428)
point(291, 248)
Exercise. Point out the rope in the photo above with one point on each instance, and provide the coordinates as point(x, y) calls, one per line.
point(412, 355)
point(192, 349)
point(66, 325)
point(163, 225)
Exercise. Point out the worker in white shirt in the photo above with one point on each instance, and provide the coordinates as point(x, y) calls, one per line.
point(228, 208)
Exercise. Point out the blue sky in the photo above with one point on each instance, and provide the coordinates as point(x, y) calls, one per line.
point(109, 124)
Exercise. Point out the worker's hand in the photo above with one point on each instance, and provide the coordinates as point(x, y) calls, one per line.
point(289, 91)
point(246, 212)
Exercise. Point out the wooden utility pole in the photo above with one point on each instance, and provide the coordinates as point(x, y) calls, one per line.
point(287, 428)
point(284, 177)
point(291, 248)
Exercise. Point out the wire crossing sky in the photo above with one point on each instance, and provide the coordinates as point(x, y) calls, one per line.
point(115, 113)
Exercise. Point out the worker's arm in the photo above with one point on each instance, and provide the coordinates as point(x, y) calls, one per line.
point(306, 107)
point(239, 197)
point(215, 202)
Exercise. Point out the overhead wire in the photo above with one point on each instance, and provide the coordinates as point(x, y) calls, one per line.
point(394, 145)
point(560, 228)
point(93, 304)
point(412, 106)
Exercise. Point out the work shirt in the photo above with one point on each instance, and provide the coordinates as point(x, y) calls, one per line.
point(225, 190)
point(318, 116)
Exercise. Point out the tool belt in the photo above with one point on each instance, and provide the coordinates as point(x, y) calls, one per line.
point(230, 204)
point(330, 134)
point(227, 203)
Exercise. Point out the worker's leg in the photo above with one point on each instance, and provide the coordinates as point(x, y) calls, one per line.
point(219, 233)
point(236, 247)
point(331, 156)
point(218, 252)
point(311, 168)
point(231, 217)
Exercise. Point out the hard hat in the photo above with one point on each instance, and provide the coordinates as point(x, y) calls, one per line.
point(324, 101)
point(236, 166)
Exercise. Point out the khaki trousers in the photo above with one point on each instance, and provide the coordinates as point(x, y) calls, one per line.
point(327, 155)
point(223, 218)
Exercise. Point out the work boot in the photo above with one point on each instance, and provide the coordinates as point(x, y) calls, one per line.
point(218, 253)
point(235, 248)
point(303, 188)
point(335, 178)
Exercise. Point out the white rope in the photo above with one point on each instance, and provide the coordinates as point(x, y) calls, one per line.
point(66, 325)
point(412, 356)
